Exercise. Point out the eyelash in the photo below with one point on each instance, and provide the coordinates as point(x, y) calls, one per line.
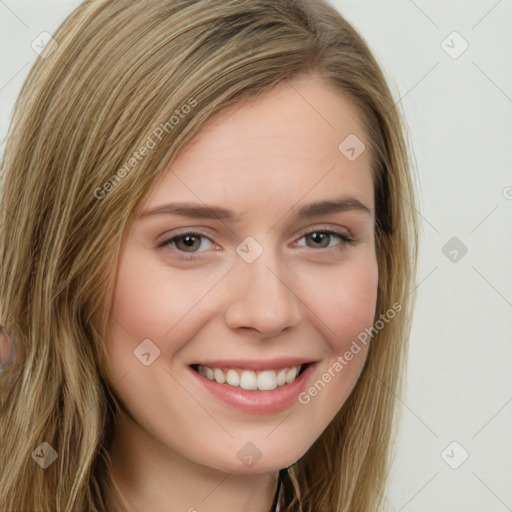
point(192, 257)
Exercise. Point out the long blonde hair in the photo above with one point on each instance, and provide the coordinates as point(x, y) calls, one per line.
point(69, 188)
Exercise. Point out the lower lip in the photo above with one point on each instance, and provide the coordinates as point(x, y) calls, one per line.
point(259, 402)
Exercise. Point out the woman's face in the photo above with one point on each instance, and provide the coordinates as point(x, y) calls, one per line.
point(271, 283)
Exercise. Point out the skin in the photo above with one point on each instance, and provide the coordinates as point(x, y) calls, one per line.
point(302, 296)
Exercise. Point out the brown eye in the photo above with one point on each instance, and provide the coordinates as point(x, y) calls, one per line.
point(186, 243)
point(322, 239)
point(319, 239)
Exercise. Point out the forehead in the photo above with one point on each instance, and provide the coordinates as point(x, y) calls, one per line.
point(309, 110)
point(289, 143)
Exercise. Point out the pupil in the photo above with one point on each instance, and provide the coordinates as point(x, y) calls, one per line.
point(317, 237)
point(189, 240)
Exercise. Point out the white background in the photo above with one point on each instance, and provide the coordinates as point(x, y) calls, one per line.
point(459, 113)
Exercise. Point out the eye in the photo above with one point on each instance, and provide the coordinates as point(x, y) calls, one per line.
point(187, 242)
point(321, 237)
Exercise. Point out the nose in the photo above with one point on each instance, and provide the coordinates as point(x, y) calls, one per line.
point(261, 298)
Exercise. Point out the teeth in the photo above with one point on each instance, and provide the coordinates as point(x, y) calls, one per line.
point(248, 381)
point(266, 380)
point(291, 374)
point(232, 378)
point(219, 376)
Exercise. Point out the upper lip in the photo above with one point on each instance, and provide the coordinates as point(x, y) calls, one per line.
point(257, 364)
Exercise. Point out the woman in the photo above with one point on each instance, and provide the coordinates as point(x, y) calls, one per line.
point(258, 374)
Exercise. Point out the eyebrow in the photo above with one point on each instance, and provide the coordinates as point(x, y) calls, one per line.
point(199, 211)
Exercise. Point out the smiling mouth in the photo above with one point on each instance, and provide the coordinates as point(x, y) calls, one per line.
point(250, 380)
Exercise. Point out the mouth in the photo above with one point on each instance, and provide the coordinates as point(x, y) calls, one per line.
point(252, 380)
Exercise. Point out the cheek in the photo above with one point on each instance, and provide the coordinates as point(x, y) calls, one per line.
point(150, 302)
point(347, 302)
